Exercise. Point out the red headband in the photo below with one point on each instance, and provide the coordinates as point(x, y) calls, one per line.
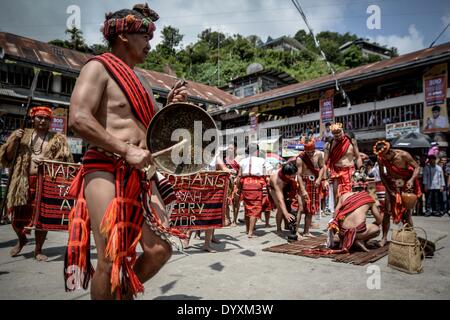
point(310, 146)
point(129, 24)
point(41, 111)
point(383, 150)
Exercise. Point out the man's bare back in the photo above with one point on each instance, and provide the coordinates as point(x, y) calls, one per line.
point(356, 217)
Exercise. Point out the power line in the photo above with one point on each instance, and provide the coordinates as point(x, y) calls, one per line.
point(317, 44)
point(440, 34)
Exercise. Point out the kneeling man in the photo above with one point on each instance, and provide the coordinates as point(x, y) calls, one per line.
point(349, 221)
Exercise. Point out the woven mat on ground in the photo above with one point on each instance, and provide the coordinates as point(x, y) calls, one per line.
point(355, 257)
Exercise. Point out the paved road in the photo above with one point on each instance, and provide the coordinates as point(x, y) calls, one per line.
point(240, 270)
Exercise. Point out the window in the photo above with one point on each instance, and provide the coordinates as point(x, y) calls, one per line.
point(238, 92)
point(249, 91)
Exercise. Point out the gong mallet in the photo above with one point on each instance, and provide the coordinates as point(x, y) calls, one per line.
point(151, 169)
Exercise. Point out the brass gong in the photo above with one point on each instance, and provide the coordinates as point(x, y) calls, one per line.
point(176, 138)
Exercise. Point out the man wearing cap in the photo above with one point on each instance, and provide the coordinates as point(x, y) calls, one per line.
point(111, 109)
point(341, 154)
point(311, 169)
point(34, 145)
point(398, 172)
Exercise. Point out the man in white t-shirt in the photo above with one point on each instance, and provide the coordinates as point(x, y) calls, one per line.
point(252, 179)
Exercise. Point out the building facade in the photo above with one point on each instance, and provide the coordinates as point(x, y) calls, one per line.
point(382, 93)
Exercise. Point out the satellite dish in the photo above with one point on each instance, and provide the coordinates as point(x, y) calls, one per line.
point(254, 68)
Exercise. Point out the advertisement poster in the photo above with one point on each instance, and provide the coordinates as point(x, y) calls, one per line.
point(395, 130)
point(59, 121)
point(326, 109)
point(435, 117)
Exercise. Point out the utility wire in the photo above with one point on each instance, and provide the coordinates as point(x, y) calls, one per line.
point(317, 44)
point(432, 44)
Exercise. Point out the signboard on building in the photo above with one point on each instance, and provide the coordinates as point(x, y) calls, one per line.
point(435, 94)
point(75, 145)
point(395, 130)
point(326, 109)
point(291, 147)
point(59, 121)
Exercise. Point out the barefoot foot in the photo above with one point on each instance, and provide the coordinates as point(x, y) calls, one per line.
point(40, 257)
point(382, 242)
point(360, 244)
point(308, 235)
point(209, 249)
point(18, 247)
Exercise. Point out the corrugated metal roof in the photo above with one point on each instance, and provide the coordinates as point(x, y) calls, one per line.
point(61, 59)
point(367, 71)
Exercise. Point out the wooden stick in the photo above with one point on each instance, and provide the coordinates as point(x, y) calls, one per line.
point(175, 146)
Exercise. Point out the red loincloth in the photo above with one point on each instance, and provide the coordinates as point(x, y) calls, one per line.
point(23, 215)
point(398, 209)
point(121, 225)
point(122, 222)
point(342, 174)
point(313, 204)
point(252, 195)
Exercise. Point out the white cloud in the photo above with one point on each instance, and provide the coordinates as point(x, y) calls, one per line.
point(413, 41)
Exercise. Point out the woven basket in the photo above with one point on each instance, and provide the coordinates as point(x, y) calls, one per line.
point(405, 251)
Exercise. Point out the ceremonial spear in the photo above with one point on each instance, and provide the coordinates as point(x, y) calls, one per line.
point(16, 150)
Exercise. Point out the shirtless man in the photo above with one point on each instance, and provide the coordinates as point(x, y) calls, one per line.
point(111, 109)
point(398, 172)
point(350, 218)
point(340, 157)
point(283, 189)
point(311, 169)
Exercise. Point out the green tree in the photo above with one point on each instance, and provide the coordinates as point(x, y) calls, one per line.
point(76, 39)
point(255, 41)
point(98, 49)
point(60, 43)
point(212, 38)
point(171, 38)
point(353, 57)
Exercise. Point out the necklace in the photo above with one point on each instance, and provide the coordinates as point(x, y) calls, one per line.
point(33, 149)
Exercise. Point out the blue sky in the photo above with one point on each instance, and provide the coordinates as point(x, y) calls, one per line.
point(408, 25)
